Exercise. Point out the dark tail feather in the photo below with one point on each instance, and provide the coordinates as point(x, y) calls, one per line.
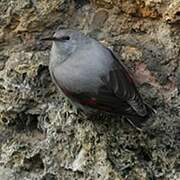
point(139, 121)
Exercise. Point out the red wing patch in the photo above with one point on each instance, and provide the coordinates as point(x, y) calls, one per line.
point(130, 79)
point(90, 101)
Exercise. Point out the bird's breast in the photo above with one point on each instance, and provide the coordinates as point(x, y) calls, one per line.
point(77, 78)
point(83, 70)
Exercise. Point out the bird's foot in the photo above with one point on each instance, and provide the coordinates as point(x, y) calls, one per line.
point(134, 126)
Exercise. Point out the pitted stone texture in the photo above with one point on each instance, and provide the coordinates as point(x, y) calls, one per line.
point(41, 135)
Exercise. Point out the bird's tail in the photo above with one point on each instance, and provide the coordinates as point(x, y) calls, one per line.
point(139, 121)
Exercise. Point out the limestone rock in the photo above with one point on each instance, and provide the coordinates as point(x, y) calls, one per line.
point(41, 136)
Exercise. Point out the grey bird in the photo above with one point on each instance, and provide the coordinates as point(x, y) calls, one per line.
point(93, 78)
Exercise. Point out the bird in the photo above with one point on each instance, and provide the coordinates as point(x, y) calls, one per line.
point(93, 78)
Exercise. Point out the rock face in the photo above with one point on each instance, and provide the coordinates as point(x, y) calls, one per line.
point(40, 135)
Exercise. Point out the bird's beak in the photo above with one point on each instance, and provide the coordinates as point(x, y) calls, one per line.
point(49, 39)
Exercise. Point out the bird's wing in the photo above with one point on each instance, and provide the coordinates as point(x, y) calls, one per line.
point(122, 84)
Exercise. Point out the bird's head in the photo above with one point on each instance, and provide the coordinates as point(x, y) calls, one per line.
point(66, 42)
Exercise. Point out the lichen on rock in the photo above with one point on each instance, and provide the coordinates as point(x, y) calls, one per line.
point(42, 137)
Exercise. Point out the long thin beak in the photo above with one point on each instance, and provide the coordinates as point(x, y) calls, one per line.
point(49, 39)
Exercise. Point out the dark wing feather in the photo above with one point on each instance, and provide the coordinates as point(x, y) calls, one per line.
point(123, 86)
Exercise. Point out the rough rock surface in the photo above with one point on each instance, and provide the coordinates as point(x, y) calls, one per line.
point(40, 135)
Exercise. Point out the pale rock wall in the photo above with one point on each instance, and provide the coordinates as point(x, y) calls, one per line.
point(42, 138)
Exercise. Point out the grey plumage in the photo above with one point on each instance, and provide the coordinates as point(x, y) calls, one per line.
point(90, 75)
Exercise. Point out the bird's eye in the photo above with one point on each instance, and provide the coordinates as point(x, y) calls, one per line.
point(65, 38)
